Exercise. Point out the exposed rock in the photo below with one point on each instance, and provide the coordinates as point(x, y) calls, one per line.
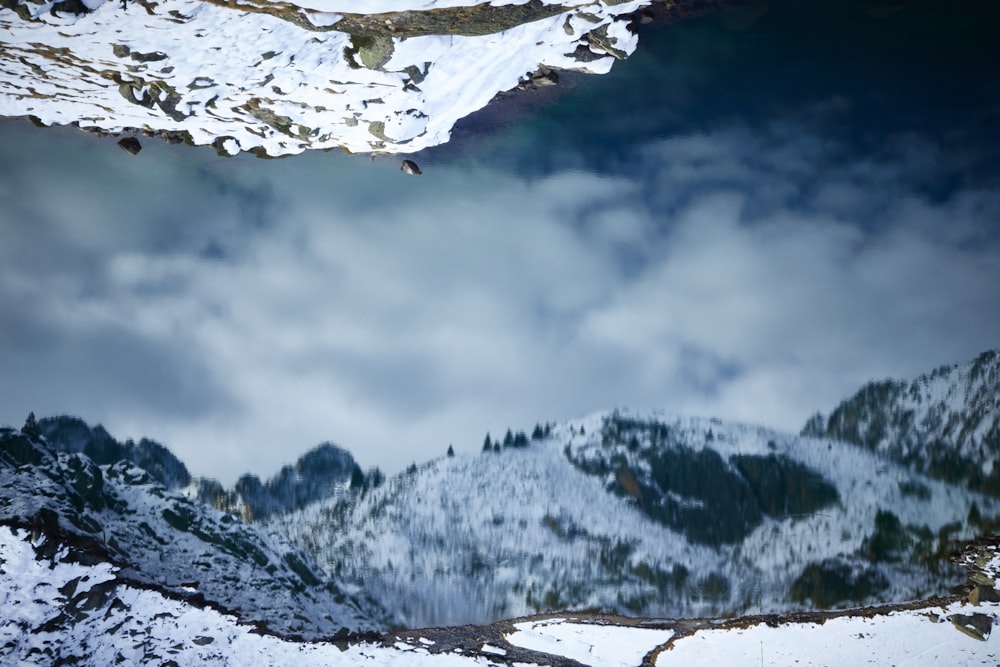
point(545, 77)
point(72, 435)
point(976, 625)
point(130, 145)
point(316, 475)
point(410, 167)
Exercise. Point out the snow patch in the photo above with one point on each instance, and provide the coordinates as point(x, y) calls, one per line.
point(591, 644)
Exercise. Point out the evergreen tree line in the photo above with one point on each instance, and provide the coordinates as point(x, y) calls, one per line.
point(517, 440)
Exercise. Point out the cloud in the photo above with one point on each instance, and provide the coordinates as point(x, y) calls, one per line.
point(242, 311)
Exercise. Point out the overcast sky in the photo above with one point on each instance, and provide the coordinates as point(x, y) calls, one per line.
point(241, 311)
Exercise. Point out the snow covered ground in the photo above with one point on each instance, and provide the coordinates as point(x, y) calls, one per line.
point(611, 645)
point(281, 78)
point(55, 609)
point(915, 637)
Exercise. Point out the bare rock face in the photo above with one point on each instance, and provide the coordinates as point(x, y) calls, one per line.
point(410, 167)
point(130, 145)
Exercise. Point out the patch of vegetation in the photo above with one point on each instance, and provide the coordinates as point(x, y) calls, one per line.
point(784, 487)
point(832, 582)
point(722, 508)
point(889, 542)
point(710, 500)
point(714, 588)
point(564, 528)
point(915, 489)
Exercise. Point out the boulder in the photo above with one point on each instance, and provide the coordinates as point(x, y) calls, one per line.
point(130, 145)
point(410, 167)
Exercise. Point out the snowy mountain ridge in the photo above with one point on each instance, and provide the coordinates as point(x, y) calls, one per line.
point(72, 435)
point(586, 519)
point(323, 471)
point(118, 514)
point(945, 423)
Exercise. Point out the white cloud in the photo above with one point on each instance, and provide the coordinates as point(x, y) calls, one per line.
point(395, 316)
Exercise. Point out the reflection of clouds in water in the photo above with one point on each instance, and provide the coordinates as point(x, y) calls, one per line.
point(756, 275)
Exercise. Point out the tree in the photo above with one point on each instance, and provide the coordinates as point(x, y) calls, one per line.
point(30, 425)
point(508, 439)
point(358, 480)
point(538, 433)
point(487, 444)
point(520, 440)
point(451, 451)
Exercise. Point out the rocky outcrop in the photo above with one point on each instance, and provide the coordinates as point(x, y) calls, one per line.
point(72, 435)
point(324, 471)
point(119, 514)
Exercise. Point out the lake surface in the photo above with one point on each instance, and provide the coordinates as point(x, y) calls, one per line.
point(746, 219)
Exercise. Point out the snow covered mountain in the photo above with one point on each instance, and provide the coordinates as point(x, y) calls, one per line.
point(945, 424)
point(645, 515)
point(638, 514)
point(324, 471)
point(391, 76)
point(72, 435)
point(119, 515)
point(319, 473)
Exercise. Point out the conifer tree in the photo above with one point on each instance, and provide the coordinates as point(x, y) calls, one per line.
point(30, 425)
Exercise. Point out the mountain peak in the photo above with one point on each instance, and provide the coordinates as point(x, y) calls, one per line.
point(323, 471)
point(945, 423)
point(72, 435)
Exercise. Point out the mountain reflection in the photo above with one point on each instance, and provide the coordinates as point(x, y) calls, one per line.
point(738, 223)
point(394, 81)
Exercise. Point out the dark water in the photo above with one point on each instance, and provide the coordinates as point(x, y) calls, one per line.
point(746, 223)
point(926, 69)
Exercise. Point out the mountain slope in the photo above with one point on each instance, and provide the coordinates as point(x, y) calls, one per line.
point(117, 513)
point(945, 423)
point(589, 518)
